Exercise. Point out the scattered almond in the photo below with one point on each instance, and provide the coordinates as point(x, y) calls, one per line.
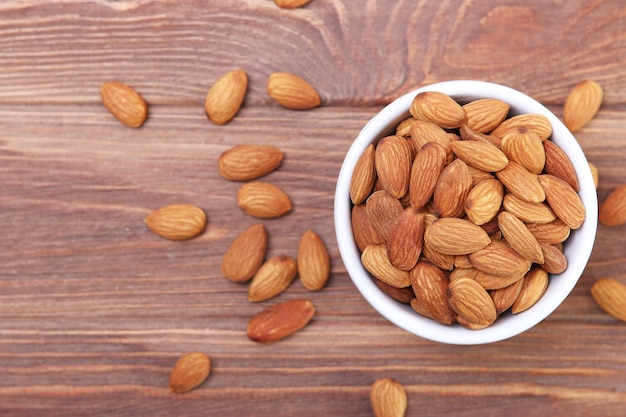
point(177, 222)
point(226, 96)
point(247, 162)
point(191, 370)
point(124, 103)
point(313, 261)
point(582, 104)
point(388, 398)
point(245, 254)
point(610, 295)
point(272, 278)
point(292, 92)
point(263, 200)
point(613, 209)
point(278, 321)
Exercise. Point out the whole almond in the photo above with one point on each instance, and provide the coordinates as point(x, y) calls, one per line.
point(392, 159)
point(247, 162)
point(362, 228)
point(535, 122)
point(486, 114)
point(471, 302)
point(454, 236)
point(481, 155)
point(452, 188)
point(313, 261)
point(263, 200)
point(582, 104)
point(364, 176)
point(177, 221)
point(613, 209)
point(534, 286)
point(484, 200)
point(559, 164)
point(292, 92)
point(435, 257)
point(272, 278)
point(382, 211)
point(404, 295)
point(521, 182)
point(499, 259)
point(524, 146)
point(189, 371)
point(290, 4)
point(404, 127)
point(528, 212)
point(425, 171)
point(245, 255)
point(495, 282)
point(438, 108)
point(554, 261)
point(551, 233)
point(124, 103)
point(424, 131)
point(376, 261)
point(388, 398)
point(226, 96)
point(563, 200)
point(610, 295)
point(280, 320)
point(430, 284)
point(503, 298)
point(406, 236)
point(519, 237)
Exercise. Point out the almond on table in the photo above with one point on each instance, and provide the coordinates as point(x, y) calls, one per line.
point(189, 371)
point(226, 96)
point(124, 103)
point(177, 221)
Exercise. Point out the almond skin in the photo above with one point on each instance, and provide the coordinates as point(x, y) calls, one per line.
point(245, 254)
point(563, 200)
point(189, 371)
point(248, 162)
point(499, 259)
point(388, 398)
point(392, 159)
point(453, 236)
point(471, 302)
point(226, 96)
point(452, 189)
point(558, 164)
point(430, 284)
point(528, 212)
point(504, 298)
point(406, 236)
point(313, 261)
point(519, 237)
point(278, 321)
point(521, 182)
point(376, 261)
point(535, 122)
point(177, 221)
point(364, 176)
point(524, 146)
point(484, 200)
point(582, 104)
point(613, 210)
point(362, 228)
point(292, 92)
point(425, 171)
point(438, 108)
point(484, 115)
point(610, 295)
point(481, 155)
point(382, 211)
point(124, 103)
point(263, 200)
point(533, 287)
point(272, 278)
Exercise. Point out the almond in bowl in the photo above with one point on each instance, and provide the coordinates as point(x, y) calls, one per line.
point(476, 201)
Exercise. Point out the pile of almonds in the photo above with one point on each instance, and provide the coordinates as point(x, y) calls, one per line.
point(463, 212)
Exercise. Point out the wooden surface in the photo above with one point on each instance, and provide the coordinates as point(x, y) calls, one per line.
point(95, 309)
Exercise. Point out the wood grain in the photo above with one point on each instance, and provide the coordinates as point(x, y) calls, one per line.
point(95, 309)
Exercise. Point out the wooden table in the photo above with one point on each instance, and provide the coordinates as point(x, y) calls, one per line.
point(95, 309)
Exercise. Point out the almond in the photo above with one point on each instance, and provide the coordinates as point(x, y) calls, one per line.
point(177, 222)
point(263, 200)
point(499, 259)
point(272, 278)
point(388, 398)
point(376, 261)
point(280, 320)
point(451, 190)
point(441, 260)
point(404, 295)
point(404, 127)
point(425, 171)
point(382, 211)
point(613, 210)
point(521, 182)
point(292, 92)
point(559, 164)
point(247, 162)
point(313, 261)
point(551, 233)
point(535, 122)
point(392, 159)
point(554, 261)
point(226, 96)
point(406, 236)
point(582, 104)
point(524, 146)
point(438, 108)
point(363, 177)
point(481, 155)
point(519, 237)
point(610, 295)
point(469, 134)
point(484, 200)
point(528, 212)
point(423, 132)
point(245, 255)
point(430, 284)
point(454, 236)
point(471, 302)
point(534, 286)
point(189, 371)
point(479, 175)
point(486, 114)
point(291, 4)
point(563, 200)
point(124, 103)
point(503, 298)
point(362, 228)
point(495, 282)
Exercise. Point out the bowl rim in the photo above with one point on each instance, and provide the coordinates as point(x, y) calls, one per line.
point(580, 241)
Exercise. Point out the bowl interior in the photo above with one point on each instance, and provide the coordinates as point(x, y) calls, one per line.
point(577, 248)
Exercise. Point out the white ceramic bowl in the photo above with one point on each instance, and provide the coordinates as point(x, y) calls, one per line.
point(577, 248)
